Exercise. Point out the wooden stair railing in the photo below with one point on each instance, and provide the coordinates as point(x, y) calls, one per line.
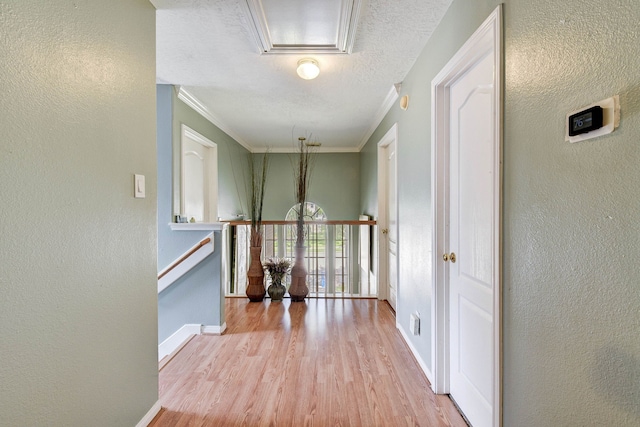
point(184, 257)
point(293, 222)
point(338, 255)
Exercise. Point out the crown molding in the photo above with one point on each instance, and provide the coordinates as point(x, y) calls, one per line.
point(391, 98)
point(185, 96)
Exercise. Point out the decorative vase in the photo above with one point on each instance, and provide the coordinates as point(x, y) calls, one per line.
point(255, 274)
point(276, 290)
point(298, 289)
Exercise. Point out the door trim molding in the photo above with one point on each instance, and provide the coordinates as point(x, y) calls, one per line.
point(488, 36)
point(382, 220)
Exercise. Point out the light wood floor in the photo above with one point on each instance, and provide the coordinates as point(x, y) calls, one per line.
point(316, 363)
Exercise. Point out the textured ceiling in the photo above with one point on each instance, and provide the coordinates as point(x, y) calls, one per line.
point(207, 48)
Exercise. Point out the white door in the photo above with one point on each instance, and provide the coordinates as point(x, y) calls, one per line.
point(388, 216)
point(471, 213)
point(194, 179)
point(392, 223)
point(199, 187)
point(471, 198)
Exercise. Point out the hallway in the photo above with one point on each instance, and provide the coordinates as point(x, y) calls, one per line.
point(319, 363)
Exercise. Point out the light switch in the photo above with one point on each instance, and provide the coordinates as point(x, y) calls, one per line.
point(138, 186)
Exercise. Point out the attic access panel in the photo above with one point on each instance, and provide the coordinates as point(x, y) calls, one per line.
point(304, 26)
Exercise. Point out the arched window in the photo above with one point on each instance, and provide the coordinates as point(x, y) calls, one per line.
point(313, 233)
point(312, 212)
point(316, 239)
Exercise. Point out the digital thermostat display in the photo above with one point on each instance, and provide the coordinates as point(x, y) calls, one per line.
point(585, 121)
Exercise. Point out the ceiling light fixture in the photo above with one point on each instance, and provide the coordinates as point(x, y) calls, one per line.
point(308, 68)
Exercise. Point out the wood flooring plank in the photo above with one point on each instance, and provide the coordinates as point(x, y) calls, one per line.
point(316, 363)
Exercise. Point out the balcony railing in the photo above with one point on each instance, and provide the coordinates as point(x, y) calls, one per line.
point(338, 256)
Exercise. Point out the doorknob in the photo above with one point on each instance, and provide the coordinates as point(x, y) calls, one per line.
point(385, 231)
point(449, 257)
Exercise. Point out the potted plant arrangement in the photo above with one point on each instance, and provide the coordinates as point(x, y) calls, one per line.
point(302, 174)
point(255, 193)
point(277, 269)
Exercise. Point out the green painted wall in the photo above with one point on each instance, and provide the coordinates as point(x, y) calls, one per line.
point(369, 176)
point(195, 298)
point(334, 185)
point(230, 195)
point(571, 221)
point(335, 182)
point(78, 253)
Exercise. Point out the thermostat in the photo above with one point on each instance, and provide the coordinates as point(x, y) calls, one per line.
point(585, 121)
point(594, 120)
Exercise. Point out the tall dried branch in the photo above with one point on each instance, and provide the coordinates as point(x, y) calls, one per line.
point(302, 168)
point(258, 171)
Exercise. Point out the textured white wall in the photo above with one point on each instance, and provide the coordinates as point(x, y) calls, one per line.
point(571, 211)
point(78, 310)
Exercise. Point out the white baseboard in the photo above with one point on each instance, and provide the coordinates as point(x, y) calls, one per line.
point(149, 416)
point(174, 342)
point(215, 330)
point(421, 363)
point(182, 335)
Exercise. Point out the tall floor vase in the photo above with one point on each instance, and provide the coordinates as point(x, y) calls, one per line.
point(255, 274)
point(298, 290)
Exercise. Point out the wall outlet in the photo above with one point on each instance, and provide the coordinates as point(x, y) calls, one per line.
point(414, 324)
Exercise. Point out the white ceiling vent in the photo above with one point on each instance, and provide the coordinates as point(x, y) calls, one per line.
point(304, 26)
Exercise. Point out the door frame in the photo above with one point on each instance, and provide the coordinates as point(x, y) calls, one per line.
point(487, 36)
point(383, 221)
